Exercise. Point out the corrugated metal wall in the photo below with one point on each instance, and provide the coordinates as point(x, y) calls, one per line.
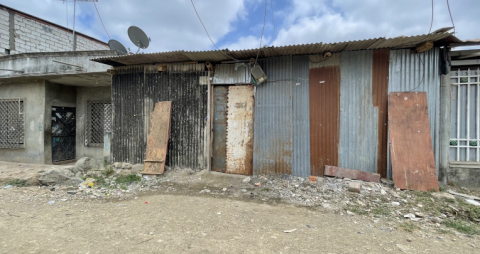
point(410, 72)
point(358, 116)
point(281, 128)
point(301, 119)
point(133, 88)
point(273, 127)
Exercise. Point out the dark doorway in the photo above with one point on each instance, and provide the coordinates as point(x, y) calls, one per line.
point(63, 134)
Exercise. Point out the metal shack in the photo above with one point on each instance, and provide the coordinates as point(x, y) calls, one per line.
point(322, 104)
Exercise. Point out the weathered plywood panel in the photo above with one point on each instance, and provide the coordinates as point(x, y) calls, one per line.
point(413, 164)
point(219, 162)
point(240, 130)
point(158, 138)
point(324, 88)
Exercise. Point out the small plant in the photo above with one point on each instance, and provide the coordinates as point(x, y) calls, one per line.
point(408, 226)
point(108, 171)
point(449, 183)
point(381, 210)
point(444, 231)
point(442, 189)
point(128, 179)
point(18, 182)
point(357, 209)
point(266, 189)
point(473, 212)
point(462, 227)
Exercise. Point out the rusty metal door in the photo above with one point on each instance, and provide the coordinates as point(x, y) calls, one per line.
point(240, 130)
point(220, 95)
point(324, 88)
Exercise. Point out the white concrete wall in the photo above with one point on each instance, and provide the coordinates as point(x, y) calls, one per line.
point(34, 105)
point(33, 35)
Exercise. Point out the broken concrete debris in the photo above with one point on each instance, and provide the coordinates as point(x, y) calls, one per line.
point(354, 187)
point(351, 174)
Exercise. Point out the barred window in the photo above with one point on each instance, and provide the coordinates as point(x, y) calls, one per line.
point(12, 123)
point(99, 121)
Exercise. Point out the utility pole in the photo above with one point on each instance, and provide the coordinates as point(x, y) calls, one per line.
point(74, 40)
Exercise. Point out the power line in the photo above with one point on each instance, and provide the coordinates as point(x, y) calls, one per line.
point(273, 18)
point(431, 22)
point(101, 19)
point(207, 31)
point(449, 12)
point(263, 29)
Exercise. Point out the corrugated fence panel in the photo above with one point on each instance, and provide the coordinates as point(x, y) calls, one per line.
point(358, 116)
point(412, 72)
point(231, 74)
point(301, 119)
point(273, 119)
point(133, 89)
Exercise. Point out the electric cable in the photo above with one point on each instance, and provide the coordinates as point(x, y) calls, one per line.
point(449, 12)
point(207, 31)
point(263, 29)
point(66, 8)
point(101, 19)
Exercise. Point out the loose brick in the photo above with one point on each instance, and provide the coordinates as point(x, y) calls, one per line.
point(352, 174)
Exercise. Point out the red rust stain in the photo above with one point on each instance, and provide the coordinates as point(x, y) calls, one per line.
point(380, 66)
point(324, 90)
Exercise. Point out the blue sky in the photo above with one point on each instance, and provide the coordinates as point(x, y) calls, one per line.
point(237, 24)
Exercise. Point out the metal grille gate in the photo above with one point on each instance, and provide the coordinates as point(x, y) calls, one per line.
point(99, 121)
point(12, 123)
point(63, 134)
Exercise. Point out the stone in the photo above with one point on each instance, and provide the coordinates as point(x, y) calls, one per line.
point(127, 165)
point(443, 195)
point(354, 187)
point(395, 203)
point(85, 164)
point(137, 168)
point(387, 181)
point(403, 248)
point(71, 192)
point(55, 177)
point(350, 213)
point(73, 181)
point(420, 215)
point(410, 215)
point(383, 192)
point(394, 194)
point(117, 165)
point(246, 180)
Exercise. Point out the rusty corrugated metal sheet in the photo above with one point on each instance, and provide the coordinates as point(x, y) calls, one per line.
point(380, 64)
point(303, 49)
point(324, 87)
point(358, 116)
point(301, 117)
point(419, 73)
point(237, 73)
point(220, 97)
point(272, 152)
point(178, 67)
point(240, 130)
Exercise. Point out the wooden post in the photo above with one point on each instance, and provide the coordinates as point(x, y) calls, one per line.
point(209, 135)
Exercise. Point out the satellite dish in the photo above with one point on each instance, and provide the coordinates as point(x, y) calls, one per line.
point(116, 45)
point(138, 37)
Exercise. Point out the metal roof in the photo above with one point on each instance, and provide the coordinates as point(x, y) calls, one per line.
point(440, 39)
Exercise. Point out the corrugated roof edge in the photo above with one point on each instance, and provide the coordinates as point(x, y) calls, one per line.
point(440, 39)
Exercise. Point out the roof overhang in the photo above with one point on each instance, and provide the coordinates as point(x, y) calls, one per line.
point(67, 68)
point(439, 38)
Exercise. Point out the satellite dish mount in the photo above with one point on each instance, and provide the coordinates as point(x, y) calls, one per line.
point(138, 37)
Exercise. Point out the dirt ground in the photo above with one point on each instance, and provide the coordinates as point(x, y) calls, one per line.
point(178, 219)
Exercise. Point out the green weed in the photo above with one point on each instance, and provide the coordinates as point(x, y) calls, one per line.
point(462, 227)
point(18, 182)
point(408, 226)
point(128, 179)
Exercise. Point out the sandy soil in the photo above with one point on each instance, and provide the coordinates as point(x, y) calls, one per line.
point(161, 223)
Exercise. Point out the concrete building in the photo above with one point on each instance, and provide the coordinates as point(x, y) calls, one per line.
point(54, 106)
point(23, 33)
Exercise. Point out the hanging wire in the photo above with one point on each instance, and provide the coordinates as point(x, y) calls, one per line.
point(263, 29)
point(419, 58)
point(449, 12)
point(207, 32)
point(101, 19)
